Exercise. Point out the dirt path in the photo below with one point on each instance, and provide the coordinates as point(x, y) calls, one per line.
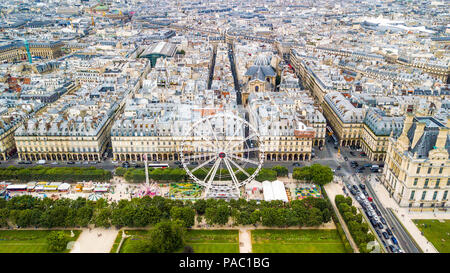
point(245, 241)
point(96, 240)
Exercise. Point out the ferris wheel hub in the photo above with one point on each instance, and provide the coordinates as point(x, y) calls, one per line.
point(222, 155)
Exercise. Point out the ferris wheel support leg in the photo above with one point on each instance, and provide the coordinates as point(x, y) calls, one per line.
point(213, 174)
point(233, 176)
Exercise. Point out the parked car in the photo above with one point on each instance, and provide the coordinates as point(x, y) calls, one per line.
point(374, 206)
point(352, 191)
point(378, 212)
point(367, 165)
point(388, 231)
point(352, 153)
point(373, 222)
point(338, 167)
point(363, 154)
point(379, 225)
point(25, 162)
point(394, 240)
point(345, 158)
point(383, 221)
point(177, 162)
point(296, 164)
point(370, 199)
point(194, 163)
point(70, 162)
point(54, 163)
point(392, 248)
point(365, 193)
point(385, 235)
point(378, 232)
point(362, 186)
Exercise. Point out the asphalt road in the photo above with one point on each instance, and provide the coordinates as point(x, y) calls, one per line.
point(403, 238)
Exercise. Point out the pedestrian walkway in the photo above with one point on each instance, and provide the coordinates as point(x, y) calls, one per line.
point(332, 190)
point(97, 240)
point(245, 241)
point(406, 217)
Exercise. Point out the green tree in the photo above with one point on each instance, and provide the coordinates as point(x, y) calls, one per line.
point(166, 237)
point(281, 170)
point(200, 206)
point(303, 173)
point(57, 241)
point(185, 214)
point(321, 174)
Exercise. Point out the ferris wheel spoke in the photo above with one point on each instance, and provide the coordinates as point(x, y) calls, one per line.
point(212, 173)
point(195, 156)
point(212, 130)
point(243, 159)
point(208, 143)
point(246, 150)
point(203, 164)
point(239, 168)
point(229, 141)
point(232, 174)
point(243, 141)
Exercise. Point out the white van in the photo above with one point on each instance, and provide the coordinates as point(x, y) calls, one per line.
point(41, 162)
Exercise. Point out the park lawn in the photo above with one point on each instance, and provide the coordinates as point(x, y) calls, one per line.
point(116, 242)
point(296, 241)
point(130, 243)
point(435, 232)
point(213, 241)
point(202, 241)
point(28, 241)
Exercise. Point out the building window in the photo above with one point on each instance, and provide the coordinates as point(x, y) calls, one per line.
point(445, 195)
point(418, 170)
point(448, 182)
point(437, 183)
point(415, 181)
point(435, 195)
point(440, 170)
point(412, 195)
point(424, 193)
point(429, 170)
point(426, 183)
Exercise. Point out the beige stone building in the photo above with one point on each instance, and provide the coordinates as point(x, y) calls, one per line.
point(417, 167)
point(17, 51)
point(376, 130)
point(344, 118)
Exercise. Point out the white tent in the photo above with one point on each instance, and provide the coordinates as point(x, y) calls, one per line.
point(279, 191)
point(267, 190)
point(274, 191)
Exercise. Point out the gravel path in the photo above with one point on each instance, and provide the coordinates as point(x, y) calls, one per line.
point(97, 240)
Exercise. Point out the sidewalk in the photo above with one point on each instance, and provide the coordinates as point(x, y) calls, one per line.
point(406, 217)
point(245, 241)
point(332, 190)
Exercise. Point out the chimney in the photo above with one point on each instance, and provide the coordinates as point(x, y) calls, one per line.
point(441, 138)
point(418, 133)
point(407, 124)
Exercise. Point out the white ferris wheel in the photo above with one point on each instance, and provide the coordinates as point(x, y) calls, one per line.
point(224, 151)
